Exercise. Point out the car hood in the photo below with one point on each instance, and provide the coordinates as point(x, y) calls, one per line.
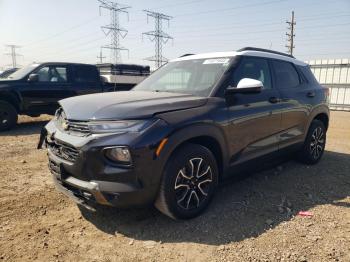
point(126, 105)
point(4, 82)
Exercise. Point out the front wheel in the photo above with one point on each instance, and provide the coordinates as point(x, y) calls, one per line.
point(189, 181)
point(8, 116)
point(314, 144)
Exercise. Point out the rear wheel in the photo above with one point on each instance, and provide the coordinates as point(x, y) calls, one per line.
point(8, 116)
point(188, 183)
point(314, 144)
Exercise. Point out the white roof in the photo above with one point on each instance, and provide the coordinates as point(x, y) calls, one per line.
point(236, 53)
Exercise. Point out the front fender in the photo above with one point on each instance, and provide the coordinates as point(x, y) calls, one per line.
point(12, 97)
point(180, 136)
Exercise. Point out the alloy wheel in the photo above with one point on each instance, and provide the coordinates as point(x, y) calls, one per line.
point(317, 143)
point(193, 183)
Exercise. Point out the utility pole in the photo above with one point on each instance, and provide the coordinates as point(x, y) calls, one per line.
point(158, 36)
point(100, 57)
point(114, 28)
point(13, 54)
point(291, 34)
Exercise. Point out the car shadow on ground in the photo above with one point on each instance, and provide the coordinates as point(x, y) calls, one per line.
point(241, 209)
point(25, 128)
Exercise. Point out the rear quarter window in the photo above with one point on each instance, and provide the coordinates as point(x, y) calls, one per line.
point(307, 73)
point(83, 74)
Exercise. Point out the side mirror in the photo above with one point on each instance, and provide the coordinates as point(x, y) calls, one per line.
point(246, 86)
point(33, 78)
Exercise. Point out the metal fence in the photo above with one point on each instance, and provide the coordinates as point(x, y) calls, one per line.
point(335, 74)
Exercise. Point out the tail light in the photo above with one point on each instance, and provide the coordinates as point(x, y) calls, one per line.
point(326, 93)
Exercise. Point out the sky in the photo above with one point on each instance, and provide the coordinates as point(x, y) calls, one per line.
point(69, 30)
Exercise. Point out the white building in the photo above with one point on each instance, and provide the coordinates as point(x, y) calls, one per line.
point(335, 74)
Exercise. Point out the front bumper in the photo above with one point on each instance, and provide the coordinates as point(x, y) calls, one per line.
point(79, 196)
point(90, 179)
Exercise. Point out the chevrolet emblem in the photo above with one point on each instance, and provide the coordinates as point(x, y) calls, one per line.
point(65, 125)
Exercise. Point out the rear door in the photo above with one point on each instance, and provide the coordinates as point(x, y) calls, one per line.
point(295, 103)
point(86, 79)
point(254, 119)
point(54, 84)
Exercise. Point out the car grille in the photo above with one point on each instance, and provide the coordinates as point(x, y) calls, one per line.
point(78, 128)
point(65, 152)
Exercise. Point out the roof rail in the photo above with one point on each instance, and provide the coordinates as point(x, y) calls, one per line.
point(263, 50)
point(186, 55)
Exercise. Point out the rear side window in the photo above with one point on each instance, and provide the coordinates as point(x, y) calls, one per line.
point(83, 74)
point(306, 71)
point(255, 68)
point(285, 75)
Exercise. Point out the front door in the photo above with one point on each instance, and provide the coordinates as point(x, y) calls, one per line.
point(254, 119)
point(53, 85)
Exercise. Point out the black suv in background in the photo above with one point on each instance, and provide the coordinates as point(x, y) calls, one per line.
point(36, 89)
point(195, 121)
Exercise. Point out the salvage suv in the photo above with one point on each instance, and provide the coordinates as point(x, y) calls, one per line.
point(193, 122)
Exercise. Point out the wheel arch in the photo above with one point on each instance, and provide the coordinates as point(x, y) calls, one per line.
point(321, 112)
point(324, 118)
point(208, 136)
point(10, 98)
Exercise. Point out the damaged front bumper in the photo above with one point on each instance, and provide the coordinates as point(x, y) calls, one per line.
point(81, 171)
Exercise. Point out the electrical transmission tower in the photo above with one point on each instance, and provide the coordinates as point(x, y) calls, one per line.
point(114, 29)
point(291, 34)
point(100, 57)
point(158, 36)
point(13, 54)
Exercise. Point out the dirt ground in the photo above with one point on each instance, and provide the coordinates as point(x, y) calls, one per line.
point(254, 219)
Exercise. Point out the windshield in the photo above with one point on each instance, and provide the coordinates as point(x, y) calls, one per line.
point(196, 76)
point(20, 73)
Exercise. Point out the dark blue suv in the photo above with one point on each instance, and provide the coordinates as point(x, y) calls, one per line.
point(193, 122)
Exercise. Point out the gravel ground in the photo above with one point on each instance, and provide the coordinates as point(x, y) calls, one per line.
point(254, 219)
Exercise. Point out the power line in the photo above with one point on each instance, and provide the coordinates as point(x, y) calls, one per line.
point(291, 35)
point(72, 48)
point(254, 24)
point(158, 36)
point(250, 5)
point(225, 34)
point(230, 8)
point(13, 54)
point(114, 28)
point(63, 32)
point(178, 4)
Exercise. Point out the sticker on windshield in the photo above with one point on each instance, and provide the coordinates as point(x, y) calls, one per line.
point(216, 61)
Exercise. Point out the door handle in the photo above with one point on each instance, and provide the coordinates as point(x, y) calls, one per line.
point(310, 94)
point(274, 100)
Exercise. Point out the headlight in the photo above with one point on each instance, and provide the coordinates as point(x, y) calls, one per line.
point(118, 154)
point(120, 126)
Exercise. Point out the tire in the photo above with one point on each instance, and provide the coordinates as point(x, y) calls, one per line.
point(8, 116)
point(189, 182)
point(314, 144)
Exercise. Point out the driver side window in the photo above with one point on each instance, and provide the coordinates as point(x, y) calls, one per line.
point(52, 74)
point(254, 68)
